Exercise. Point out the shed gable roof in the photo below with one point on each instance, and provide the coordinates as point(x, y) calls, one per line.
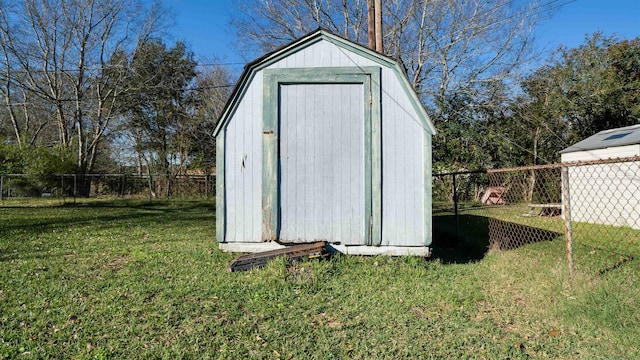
point(628, 135)
point(316, 36)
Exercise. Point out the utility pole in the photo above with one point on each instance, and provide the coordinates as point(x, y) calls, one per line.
point(371, 24)
point(378, 15)
point(374, 25)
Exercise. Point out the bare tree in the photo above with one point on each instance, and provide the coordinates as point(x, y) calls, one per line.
point(61, 53)
point(266, 25)
point(448, 47)
point(213, 91)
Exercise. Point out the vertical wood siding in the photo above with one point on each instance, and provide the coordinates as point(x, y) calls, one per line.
point(403, 162)
point(322, 163)
point(243, 168)
point(322, 54)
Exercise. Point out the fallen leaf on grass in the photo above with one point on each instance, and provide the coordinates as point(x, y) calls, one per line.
point(554, 332)
point(419, 313)
point(334, 324)
point(349, 352)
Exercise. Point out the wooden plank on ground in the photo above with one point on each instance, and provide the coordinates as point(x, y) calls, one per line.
point(292, 253)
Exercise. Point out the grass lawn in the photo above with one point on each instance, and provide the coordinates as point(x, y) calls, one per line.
point(126, 279)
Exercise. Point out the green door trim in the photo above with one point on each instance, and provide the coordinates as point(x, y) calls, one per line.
point(370, 78)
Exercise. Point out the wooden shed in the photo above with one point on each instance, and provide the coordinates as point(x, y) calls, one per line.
point(324, 140)
point(605, 187)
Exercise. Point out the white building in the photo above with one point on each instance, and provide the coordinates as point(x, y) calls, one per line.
point(607, 193)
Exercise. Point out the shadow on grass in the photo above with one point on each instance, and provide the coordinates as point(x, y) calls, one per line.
point(41, 232)
point(601, 260)
point(467, 244)
point(157, 204)
point(471, 240)
point(507, 235)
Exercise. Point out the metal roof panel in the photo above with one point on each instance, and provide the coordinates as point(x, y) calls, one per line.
point(628, 135)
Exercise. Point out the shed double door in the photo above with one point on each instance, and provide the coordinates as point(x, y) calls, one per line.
point(322, 170)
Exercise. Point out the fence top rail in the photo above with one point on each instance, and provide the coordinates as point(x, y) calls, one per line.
point(566, 164)
point(524, 168)
point(603, 161)
point(469, 172)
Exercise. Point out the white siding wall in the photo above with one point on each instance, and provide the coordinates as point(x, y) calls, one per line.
point(605, 193)
point(403, 217)
point(243, 168)
point(322, 54)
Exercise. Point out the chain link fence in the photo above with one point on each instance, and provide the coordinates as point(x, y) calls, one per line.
point(16, 188)
point(459, 216)
point(603, 212)
point(524, 205)
point(594, 207)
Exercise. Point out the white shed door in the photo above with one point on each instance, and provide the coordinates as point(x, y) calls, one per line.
point(322, 163)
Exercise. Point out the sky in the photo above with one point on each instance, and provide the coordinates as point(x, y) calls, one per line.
point(570, 23)
point(204, 26)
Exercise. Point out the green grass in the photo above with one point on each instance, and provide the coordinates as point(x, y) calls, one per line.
point(126, 279)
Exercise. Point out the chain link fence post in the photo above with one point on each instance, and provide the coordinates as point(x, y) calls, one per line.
point(566, 214)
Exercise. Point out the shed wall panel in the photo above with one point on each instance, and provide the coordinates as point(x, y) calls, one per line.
point(243, 168)
point(403, 189)
point(322, 163)
point(322, 54)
